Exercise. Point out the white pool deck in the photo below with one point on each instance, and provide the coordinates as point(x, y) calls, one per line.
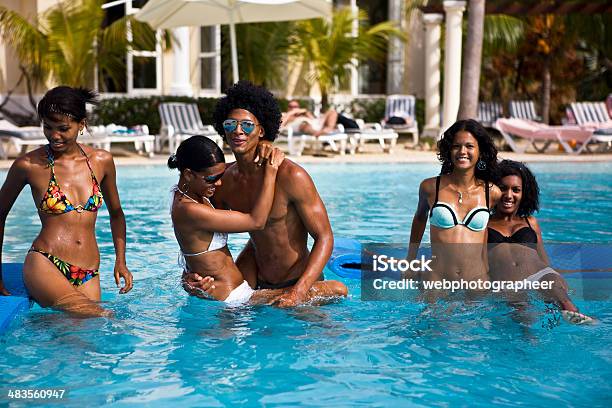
point(372, 154)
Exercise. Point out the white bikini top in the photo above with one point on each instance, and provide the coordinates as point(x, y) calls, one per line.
point(219, 239)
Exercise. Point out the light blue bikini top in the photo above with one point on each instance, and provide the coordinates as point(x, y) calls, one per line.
point(443, 215)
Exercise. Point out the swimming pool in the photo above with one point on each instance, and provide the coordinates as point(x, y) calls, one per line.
point(166, 348)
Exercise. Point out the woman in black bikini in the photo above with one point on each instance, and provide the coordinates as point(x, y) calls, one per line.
point(516, 250)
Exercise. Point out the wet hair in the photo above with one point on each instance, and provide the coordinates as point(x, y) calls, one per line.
point(66, 101)
point(530, 202)
point(255, 99)
point(196, 153)
point(488, 151)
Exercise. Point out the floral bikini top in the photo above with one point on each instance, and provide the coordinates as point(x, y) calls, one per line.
point(55, 201)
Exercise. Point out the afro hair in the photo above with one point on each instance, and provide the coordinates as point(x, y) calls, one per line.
point(255, 99)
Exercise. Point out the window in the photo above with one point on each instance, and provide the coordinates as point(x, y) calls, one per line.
point(210, 60)
point(142, 67)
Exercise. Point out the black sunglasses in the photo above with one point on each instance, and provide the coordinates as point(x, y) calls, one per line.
point(213, 179)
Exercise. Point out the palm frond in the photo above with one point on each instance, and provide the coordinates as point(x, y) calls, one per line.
point(330, 47)
point(29, 43)
point(502, 32)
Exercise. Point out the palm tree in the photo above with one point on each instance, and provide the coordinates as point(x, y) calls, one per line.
point(262, 52)
point(329, 48)
point(66, 43)
point(472, 59)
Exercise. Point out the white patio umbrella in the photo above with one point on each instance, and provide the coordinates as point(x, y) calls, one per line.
point(179, 13)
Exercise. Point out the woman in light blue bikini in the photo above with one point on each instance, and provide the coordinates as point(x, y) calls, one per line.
point(457, 202)
point(201, 230)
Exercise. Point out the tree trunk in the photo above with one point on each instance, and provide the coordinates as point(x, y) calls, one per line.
point(470, 74)
point(324, 99)
point(546, 84)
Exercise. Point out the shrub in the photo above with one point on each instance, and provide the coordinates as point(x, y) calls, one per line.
point(144, 110)
point(373, 110)
point(368, 109)
point(132, 111)
point(129, 111)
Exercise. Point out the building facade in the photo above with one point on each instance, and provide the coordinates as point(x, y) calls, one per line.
point(194, 64)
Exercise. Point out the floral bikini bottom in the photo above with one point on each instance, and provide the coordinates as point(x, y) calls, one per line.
point(75, 274)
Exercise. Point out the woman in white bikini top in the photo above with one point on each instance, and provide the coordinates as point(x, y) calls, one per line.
point(201, 230)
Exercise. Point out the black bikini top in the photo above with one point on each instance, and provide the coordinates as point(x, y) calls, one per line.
point(524, 236)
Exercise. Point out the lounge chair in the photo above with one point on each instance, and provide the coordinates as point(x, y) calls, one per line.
point(594, 116)
point(489, 112)
point(105, 136)
point(402, 106)
point(373, 131)
point(180, 121)
point(536, 132)
point(524, 110)
point(297, 142)
point(19, 137)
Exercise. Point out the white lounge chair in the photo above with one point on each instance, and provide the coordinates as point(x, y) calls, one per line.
point(180, 121)
point(489, 112)
point(594, 116)
point(591, 114)
point(403, 106)
point(104, 136)
point(524, 110)
point(338, 141)
point(386, 138)
point(536, 132)
point(295, 142)
point(19, 138)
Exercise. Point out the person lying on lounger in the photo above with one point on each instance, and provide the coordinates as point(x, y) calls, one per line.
point(304, 121)
point(516, 250)
point(201, 230)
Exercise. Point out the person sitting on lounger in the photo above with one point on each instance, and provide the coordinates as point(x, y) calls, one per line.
point(201, 230)
point(516, 251)
point(303, 121)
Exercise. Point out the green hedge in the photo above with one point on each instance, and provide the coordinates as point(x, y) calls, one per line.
point(373, 110)
point(143, 110)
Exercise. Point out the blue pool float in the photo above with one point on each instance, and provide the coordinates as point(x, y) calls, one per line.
point(18, 302)
point(345, 260)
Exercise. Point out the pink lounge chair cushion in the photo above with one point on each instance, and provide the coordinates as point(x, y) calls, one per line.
point(539, 131)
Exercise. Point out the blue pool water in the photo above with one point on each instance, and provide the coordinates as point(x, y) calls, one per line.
point(166, 348)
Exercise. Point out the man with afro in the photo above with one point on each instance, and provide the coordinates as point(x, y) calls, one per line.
point(277, 256)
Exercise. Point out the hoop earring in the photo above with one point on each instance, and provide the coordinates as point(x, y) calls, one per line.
point(82, 131)
point(185, 189)
point(482, 166)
